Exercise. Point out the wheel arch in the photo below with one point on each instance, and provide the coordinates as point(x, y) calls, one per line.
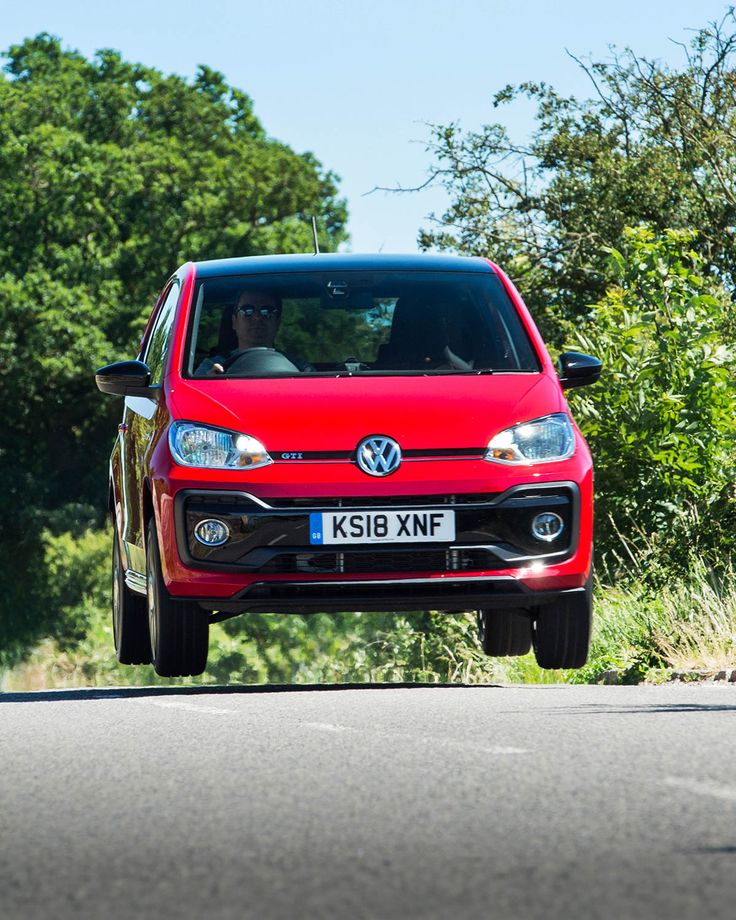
point(147, 509)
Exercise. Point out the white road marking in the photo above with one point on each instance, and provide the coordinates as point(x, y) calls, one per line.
point(494, 749)
point(326, 727)
point(699, 787)
point(500, 749)
point(192, 707)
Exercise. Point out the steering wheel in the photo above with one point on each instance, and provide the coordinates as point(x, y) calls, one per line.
point(261, 361)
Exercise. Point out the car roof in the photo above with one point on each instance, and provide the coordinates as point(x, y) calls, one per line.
point(330, 261)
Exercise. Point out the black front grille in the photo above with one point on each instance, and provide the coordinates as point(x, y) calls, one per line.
point(356, 563)
point(491, 532)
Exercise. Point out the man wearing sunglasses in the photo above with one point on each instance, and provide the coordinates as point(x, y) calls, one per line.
point(255, 321)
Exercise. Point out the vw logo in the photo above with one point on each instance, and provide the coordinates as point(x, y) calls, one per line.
point(378, 455)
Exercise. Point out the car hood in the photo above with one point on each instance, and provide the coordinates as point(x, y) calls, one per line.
point(334, 414)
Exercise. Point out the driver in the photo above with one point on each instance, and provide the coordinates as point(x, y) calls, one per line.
point(255, 321)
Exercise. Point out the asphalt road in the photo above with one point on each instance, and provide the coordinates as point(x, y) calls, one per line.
point(385, 802)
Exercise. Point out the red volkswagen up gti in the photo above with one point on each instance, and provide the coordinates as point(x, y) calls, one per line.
point(342, 432)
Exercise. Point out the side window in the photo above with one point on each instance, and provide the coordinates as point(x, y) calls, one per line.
point(158, 342)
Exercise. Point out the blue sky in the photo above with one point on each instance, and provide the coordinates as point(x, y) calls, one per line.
point(358, 82)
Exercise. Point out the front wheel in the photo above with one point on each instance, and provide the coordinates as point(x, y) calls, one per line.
point(504, 632)
point(179, 629)
point(561, 630)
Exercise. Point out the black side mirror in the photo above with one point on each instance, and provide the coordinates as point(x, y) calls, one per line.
point(124, 378)
point(576, 370)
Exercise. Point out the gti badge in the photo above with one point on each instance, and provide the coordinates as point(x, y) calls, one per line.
point(378, 455)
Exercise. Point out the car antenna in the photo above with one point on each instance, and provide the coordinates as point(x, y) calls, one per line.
point(314, 234)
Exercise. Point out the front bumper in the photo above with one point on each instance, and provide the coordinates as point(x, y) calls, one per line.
point(269, 564)
point(445, 596)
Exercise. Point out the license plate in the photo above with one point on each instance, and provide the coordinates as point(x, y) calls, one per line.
point(381, 527)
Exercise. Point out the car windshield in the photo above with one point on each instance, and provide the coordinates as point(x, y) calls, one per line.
point(355, 322)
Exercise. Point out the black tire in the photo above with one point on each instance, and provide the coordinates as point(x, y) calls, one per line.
point(179, 630)
point(129, 614)
point(504, 632)
point(561, 630)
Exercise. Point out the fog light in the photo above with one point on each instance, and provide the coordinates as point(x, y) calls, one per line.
point(211, 532)
point(547, 526)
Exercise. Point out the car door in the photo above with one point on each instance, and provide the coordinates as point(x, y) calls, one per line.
point(142, 420)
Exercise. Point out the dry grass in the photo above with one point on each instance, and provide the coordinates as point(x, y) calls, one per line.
point(698, 622)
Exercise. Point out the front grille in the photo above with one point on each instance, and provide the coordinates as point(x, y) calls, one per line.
point(491, 532)
point(356, 563)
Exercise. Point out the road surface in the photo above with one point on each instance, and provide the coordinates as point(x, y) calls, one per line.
point(373, 802)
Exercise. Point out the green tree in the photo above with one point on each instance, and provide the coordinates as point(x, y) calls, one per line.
point(654, 145)
point(661, 423)
point(111, 175)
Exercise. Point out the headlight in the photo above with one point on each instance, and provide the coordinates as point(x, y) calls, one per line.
point(215, 448)
point(539, 441)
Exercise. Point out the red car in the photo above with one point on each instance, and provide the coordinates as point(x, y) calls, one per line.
point(341, 432)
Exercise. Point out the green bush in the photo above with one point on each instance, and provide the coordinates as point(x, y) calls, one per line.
point(661, 423)
point(77, 582)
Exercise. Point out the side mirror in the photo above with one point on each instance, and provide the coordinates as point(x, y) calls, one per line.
point(124, 378)
point(577, 370)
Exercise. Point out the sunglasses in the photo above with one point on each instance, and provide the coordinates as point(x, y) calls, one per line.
point(266, 311)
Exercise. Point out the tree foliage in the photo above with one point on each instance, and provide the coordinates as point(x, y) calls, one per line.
point(661, 424)
point(653, 144)
point(625, 200)
point(111, 175)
